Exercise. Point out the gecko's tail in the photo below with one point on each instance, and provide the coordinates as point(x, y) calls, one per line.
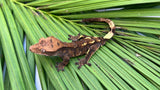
point(110, 23)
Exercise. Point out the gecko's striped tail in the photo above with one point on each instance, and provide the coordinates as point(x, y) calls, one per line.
point(110, 23)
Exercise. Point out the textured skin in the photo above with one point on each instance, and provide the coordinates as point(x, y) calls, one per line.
point(80, 45)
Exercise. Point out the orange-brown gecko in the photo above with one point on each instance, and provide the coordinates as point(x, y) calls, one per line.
point(80, 45)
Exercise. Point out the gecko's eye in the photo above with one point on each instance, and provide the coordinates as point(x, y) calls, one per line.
point(43, 50)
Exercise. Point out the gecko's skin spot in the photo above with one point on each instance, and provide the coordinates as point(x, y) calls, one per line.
point(51, 40)
point(92, 41)
point(88, 38)
point(88, 51)
point(51, 45)
point(98, 40)
point(80, 36)
point(84, 44)
point(58, 44)
point(79, 53)
point(42, 43)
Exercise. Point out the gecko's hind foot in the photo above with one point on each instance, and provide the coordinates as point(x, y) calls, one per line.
point(82, 62)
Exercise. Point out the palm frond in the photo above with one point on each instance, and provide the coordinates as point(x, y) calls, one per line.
point(129, 61)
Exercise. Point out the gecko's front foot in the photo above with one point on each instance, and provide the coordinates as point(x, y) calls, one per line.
point(82, 62)
point(60, 67)
point(74, 38)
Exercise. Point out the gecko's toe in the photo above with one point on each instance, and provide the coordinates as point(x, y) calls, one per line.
point(77, 63)
point(89, 64)
point(60, 69)
point(79, 67)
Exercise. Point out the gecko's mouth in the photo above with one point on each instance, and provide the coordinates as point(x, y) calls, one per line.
point(31, 49)
point(35, 49)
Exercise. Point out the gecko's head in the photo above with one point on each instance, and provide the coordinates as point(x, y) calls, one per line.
point(49, 44)
point(38, 47)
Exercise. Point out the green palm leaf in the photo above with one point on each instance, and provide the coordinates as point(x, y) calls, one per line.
point(128, 61)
